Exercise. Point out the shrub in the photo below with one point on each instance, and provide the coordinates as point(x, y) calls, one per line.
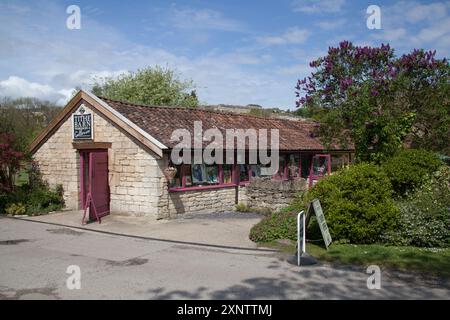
point(278, 225)
point(425, 214)
point(16, 209)
point(408, 169)
point(35, 200)
point(241, 207)
point(4, 199)
point(357, 203)
point(44, 200)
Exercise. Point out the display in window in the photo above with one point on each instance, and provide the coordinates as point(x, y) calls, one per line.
point(187, 176)
point(212, 174)
point(243, 176)
point(281, 166)
point(176, 181)
point(256, 171)
point(198, 174)
point(294, 170)
point(227, 173)
point(320, 166)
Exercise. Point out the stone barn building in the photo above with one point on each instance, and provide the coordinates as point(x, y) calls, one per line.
point(114, 157)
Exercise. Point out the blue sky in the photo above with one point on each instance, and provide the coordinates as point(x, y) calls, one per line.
point(237, 52)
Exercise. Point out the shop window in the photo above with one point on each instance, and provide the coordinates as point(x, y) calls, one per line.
point(255, 171)
point(294, 166)
point(212, 174)
point(281, 168)
point(177, 181)
point(243, 173)
point(187, 172)
point(305, 165)
point(227, 173)
point(338, 161)
point(320, 166)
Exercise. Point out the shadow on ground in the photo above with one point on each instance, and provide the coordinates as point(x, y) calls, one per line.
point(312, 282)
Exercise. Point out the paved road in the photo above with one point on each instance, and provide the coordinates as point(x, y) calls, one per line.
point(34, 258)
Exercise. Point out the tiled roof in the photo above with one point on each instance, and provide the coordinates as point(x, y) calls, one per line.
point(160, 122)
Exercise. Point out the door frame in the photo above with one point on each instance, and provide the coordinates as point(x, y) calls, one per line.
point(86, 174)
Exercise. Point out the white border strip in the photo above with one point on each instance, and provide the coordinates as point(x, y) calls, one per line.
point(126, 120)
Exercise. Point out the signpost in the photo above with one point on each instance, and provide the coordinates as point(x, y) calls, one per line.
point(317, 208)
point(302, 222)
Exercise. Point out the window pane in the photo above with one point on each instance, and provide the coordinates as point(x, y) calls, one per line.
point(281, 165)
point(306, 165)
point(176, 182)
point(188, 175)
point(212, 174)
point(294, 161)
point(198, 174)
point(227, 173)
point(243, 172)
point(339, 161)
point(256, 171)
point(320, 166)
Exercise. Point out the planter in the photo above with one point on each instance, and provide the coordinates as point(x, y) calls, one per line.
point(170, 173)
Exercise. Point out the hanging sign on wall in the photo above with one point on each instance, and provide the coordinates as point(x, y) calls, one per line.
point(82, 126)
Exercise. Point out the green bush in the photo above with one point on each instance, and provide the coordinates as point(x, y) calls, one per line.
point(35, 200)
point(357, 203)
point(408, 169)
point(241, 207)
point(16, 209)
point(44, 200)
point(425, 214)
point(278, 225)
point(4, 199)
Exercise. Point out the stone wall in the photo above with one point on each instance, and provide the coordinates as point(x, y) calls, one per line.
point(197, 202)
point(59, 163)
point(264, 193)
point(135, 174)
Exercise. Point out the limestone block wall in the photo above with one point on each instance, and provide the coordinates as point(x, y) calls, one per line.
point(59, 163)
point(272, 194)
point(172, 204)
point(135, 174)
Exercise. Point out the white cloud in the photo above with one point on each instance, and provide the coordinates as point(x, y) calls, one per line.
point(62, 60)
point(203, 19)
point(331, 24)
point(314, 6)
point(293, 35)
point(411, 24)
point(16, 87)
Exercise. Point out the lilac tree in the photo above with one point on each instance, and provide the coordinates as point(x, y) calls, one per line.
point(371, 97)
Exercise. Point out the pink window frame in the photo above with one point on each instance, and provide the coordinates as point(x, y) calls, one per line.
point(221, 184)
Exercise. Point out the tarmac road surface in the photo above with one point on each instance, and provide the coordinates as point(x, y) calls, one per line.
point(34, 259)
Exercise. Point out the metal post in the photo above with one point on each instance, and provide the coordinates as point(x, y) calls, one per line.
point(300, 238)
point(304, 232)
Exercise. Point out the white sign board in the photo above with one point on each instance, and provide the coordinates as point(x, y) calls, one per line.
point(315, 205)
point(82, 124)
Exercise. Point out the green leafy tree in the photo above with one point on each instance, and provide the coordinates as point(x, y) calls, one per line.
point(378, 100)
point(25, 118)
point(150, 86)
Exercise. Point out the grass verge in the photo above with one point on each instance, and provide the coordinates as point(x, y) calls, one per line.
point(433, 261)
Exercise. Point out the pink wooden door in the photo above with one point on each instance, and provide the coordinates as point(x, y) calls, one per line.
point(320, 166)
point(98, 183)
